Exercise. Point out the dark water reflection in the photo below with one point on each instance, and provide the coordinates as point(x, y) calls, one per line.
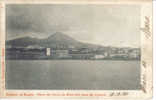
point(72, 74)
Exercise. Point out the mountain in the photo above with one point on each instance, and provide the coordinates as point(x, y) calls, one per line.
point(60, 39)
point(23, 42)
point(56, 40)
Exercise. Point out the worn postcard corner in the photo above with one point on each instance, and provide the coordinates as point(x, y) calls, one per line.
point(76, 49)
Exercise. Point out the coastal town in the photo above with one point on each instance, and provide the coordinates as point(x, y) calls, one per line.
point(61, 46)
point(107, 53)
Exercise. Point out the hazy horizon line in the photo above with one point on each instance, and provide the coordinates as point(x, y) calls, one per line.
point(22, 36)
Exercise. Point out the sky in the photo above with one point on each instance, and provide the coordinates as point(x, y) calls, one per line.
point(107, 25)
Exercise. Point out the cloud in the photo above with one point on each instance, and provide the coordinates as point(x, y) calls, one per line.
point(101, 24)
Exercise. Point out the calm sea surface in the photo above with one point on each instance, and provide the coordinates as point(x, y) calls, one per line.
point(72, 74)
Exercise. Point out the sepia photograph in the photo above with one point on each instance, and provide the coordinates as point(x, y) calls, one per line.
point(75, 47)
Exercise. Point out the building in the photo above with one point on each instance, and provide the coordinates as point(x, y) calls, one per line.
point(60, 53)
point(105, 54)
point(99, 56)
point(134, 53)
point(123, 55)
point(48, 52)
point(81, 56)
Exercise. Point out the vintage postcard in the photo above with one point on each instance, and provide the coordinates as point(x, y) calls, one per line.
point(70, 49)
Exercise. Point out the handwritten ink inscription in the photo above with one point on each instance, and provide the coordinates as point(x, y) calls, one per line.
point(146, 28)
point(143, 87)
